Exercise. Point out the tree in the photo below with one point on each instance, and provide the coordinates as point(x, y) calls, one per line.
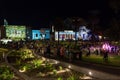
point(94, 20)
point(68, 23)
point(76, 23)
point(115, 6)
point(114, 31)
point(59, 25)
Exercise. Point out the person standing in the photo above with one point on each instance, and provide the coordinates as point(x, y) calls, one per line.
point(105, 57)
point(48, 50)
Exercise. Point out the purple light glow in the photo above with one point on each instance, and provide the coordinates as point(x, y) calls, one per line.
point(106, 47)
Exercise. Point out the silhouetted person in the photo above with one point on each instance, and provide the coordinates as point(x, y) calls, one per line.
point(48, 50)
point(105, 57)
point(58, 51)
point(80, 55)
point(88, 53)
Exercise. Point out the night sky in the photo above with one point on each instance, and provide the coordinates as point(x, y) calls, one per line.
point(40, 13)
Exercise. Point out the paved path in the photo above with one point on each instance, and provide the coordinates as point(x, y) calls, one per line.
point(96, 73)
point(108, 69)
point(100, 71)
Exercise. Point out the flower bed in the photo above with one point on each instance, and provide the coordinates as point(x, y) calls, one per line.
point(41, 67)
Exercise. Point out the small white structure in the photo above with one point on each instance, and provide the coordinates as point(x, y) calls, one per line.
point(5, 41)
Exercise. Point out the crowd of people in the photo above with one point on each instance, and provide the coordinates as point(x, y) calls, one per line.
point(63, 50)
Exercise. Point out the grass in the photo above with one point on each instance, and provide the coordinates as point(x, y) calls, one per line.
point(112, 60)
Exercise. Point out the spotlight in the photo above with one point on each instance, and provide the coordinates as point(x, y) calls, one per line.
point(69, 66)
point(56, 62)
point(90, 73)
point(47, 59)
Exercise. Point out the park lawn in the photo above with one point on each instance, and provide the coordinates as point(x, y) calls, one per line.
point(112, 60)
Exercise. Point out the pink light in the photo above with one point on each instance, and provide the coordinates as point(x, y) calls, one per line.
point(106, 46)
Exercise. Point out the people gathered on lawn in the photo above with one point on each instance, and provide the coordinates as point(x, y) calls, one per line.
point(65, 50)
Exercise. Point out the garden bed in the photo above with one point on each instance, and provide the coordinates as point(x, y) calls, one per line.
point(7, 74)
point(38, 68)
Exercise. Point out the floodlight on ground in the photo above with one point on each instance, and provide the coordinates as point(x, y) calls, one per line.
point(56, 62)
point(67, 69)
point(85, 77)
point(90, 73)
point(22, 70)
point(69, 66)
point(47, 59)
point(43, 58)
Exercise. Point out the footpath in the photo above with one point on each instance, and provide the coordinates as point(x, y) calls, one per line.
point(98, 70)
